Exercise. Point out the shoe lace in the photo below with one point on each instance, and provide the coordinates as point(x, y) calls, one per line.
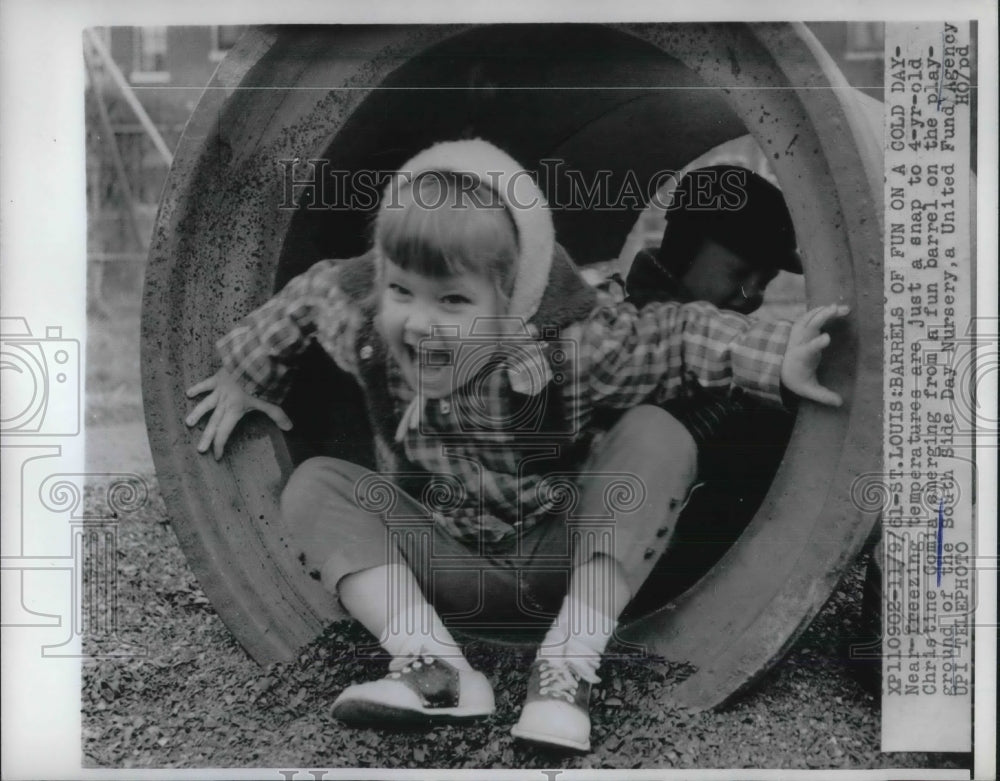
point(575, 656)
point(559, 678)
point(406, 665)
point(412, 658)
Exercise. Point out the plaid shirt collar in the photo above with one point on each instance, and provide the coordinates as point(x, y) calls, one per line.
point(519, 364)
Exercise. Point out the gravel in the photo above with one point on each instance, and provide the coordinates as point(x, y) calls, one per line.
point(180, 693)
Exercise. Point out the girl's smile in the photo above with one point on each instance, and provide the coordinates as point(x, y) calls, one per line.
point(424, 320)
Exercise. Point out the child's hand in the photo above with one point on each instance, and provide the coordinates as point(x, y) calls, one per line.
point(227, 402)
point(805, 349)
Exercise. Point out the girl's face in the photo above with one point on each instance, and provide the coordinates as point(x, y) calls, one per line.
point(414, 307)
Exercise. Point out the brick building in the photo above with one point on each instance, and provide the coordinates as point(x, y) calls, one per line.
point(167, 69)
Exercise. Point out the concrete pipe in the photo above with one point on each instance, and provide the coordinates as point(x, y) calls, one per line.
point(630, 99)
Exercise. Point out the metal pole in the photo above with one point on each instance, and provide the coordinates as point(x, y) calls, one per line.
point(116, 159)
point(129, 95)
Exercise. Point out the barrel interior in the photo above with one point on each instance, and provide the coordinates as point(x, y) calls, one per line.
point(596, 113)
point(606, 105)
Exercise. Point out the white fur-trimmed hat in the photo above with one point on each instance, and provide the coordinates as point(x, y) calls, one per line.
point(520, 195)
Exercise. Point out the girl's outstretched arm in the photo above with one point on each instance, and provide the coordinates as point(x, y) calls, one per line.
point(806, 343)
point(629, 356)
point(227, 402)
point(259, 355)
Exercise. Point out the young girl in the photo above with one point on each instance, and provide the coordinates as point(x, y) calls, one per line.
point(483, 355)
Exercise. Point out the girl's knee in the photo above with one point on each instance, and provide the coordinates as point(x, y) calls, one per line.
point(314, 482)
point(300, 486)
point(331, 534)
point(660, 435)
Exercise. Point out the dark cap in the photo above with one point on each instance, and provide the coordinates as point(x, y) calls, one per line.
point(736, 208)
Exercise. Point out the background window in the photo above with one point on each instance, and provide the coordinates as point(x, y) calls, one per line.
point(150, 54)
point(224, 38)
point(865, 41)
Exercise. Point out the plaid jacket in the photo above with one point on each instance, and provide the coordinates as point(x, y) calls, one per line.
point(495, 456)
point(704, 413)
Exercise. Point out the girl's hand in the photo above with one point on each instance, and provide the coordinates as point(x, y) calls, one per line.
point(227, 402)
point(805, 349)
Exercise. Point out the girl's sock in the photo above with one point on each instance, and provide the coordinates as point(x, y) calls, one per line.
point(588, 616)
point(578, 636)
point(388, 601)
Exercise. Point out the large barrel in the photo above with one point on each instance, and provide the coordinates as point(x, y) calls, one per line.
point(627, 99)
